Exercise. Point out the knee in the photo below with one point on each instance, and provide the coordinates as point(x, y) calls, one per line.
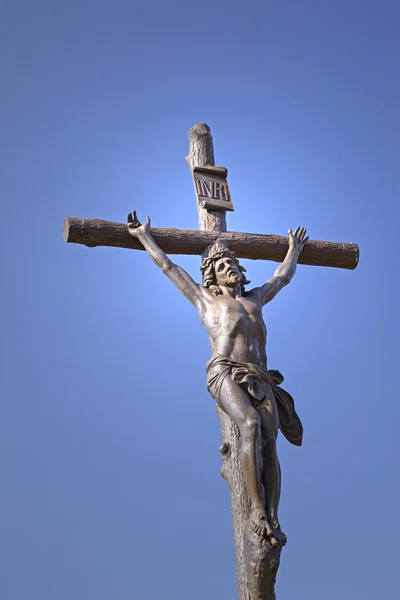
point(250, 426)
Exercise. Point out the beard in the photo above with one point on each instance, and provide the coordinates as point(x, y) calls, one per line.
point(233, 279)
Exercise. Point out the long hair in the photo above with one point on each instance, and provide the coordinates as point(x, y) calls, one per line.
point(219, 250)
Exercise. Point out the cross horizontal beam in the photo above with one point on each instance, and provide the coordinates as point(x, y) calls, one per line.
point(95, 232)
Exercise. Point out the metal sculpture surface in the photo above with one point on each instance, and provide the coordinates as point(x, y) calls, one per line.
point(237, 373)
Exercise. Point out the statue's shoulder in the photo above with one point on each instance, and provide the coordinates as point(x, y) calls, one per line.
point(207, 295)
point(253, 295)
point(208, 300)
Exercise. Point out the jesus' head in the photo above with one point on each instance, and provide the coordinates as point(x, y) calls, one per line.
point(221, 268)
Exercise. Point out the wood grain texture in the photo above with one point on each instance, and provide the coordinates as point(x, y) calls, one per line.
point(201, 152)
point(254, 576)
point(95, 232)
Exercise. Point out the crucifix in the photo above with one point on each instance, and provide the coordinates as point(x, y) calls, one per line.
point(251, 404)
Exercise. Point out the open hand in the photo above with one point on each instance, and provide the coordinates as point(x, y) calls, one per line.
point(135, 228)
point(297, 240)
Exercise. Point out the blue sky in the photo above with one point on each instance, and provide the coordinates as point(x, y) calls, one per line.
point(109, 439)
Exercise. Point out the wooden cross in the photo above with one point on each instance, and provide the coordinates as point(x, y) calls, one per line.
point(212, 226)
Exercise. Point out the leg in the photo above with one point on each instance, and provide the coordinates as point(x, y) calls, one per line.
point(271, 474)
point(234, 401)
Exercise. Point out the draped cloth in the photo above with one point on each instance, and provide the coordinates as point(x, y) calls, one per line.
point(255, 381)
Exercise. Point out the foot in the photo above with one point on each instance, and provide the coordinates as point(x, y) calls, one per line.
point(278, 533)
point(260, 525)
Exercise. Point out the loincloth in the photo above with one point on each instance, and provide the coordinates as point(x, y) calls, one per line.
point(255, 381)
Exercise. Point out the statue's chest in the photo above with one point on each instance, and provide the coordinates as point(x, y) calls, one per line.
point(230, 313)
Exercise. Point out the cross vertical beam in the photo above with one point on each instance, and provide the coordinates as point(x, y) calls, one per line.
point(201, 153)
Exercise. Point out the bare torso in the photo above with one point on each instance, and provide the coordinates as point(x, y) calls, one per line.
point(237, 328)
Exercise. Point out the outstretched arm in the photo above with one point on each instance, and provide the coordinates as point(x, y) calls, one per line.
point(284, 273)
point(176, 274)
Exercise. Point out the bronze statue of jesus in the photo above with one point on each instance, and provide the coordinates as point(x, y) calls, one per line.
point(237, 374)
